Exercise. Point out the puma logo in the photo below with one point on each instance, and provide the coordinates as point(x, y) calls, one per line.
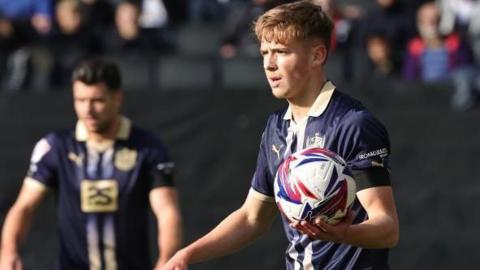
point(276, 150)
point(77, 159)
point(378, 164)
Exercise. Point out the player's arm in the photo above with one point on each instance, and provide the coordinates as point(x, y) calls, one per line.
point(164, 203)
point(236, 231)
point(17, 222)
point(380, 230)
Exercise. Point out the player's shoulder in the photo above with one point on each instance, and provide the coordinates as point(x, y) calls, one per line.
point(60, 136)
point(351, 110)
point(344, 103)
point(275, 119)
point(143, 137)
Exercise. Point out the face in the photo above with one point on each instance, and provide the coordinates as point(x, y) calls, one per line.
point(386, 3)
point(290, 67)
point(126, 20)
point(68, 17)
point(96, 106)
point(428, 17)
point(378, 50)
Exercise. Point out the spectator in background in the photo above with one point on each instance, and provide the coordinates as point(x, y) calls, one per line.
point(154, 22)
point(128, 38)
point(394, 20)
point(36, 13)
point(237, 37)
point(72, 41)
point(98, 14)
point(435, 58)
point(345, 19)
point(462, 16)
point(379, 51)
point(153, 14)
point(22, 23)
point(207, 10)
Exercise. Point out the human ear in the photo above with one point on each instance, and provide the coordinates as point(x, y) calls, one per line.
point(320, 53)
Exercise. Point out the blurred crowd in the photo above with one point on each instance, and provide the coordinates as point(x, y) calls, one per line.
point(433, 42)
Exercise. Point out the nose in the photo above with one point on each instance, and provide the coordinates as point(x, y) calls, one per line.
point(269, 61)
point(89, 107)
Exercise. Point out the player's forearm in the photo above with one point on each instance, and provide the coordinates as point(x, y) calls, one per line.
point(232, 234)
point(15, 228)
point(170, 235)
point(377, 232)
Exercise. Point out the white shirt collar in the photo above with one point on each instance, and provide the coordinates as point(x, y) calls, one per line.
point(320, 104)
point(81, 133)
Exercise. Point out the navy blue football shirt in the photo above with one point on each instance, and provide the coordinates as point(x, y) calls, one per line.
point(102, 193)
point(341, 124)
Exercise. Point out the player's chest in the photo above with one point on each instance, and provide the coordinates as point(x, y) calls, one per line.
point(285, 140)
point(100, 178)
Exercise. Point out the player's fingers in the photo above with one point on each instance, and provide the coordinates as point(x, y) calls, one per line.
point(18, 265)
point(311, 229)
point(296, 225)
point(318, 221)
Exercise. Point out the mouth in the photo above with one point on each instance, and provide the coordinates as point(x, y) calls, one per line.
point(274, 80)
point(90, 120)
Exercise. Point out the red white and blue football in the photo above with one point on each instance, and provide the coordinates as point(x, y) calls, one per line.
point(314, 183)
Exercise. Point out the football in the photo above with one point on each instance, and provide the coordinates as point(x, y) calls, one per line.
point(312, 183)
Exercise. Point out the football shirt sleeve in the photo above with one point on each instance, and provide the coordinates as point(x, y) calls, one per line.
point(262, 180)
point(365, 145)
point(43, 162)
point(160, 168)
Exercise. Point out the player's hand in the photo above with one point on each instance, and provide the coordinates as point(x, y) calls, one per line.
point(10, 262)
point(320, 230)
point(159, 265)
point(177, 262)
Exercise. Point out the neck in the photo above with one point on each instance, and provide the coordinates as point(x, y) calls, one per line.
point(108, 134)
point(301, 105)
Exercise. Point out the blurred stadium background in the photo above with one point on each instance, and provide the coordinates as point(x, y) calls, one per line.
point(211, 109)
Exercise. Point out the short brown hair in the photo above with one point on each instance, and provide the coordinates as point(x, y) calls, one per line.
point(294, 21)
point(98, 71)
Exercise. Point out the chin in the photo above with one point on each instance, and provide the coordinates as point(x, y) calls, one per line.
point(279, 93)
point(93, 129)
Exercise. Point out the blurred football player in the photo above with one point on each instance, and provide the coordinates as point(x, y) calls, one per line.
point(105, 174)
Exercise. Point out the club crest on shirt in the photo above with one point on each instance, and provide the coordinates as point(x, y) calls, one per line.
point(315, 141)
point(125, 159)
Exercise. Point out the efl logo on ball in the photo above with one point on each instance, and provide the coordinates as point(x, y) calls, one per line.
point(314, 183)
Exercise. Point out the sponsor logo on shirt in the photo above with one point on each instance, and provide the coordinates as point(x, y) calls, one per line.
point(77, 159)
point(276, 150)
point(99, 196)
point(378, 164)
point(379, 152)
point(166, 167)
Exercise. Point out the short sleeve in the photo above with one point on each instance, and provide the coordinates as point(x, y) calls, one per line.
point(262, 180)
point(43, 162)
point(160, 168)
point(365, 145)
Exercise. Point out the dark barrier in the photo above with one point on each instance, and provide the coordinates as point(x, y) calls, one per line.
point(214, 136)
